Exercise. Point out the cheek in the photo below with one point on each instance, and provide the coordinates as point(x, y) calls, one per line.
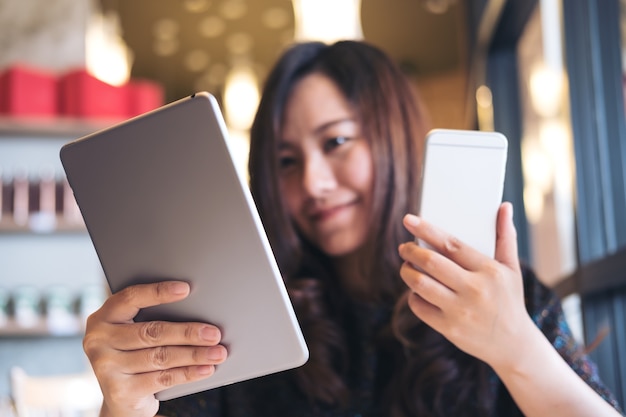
point(290, 196)
point(360, 170)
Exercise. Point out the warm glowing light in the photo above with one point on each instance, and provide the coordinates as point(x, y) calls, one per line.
point(484, 108)
point(546, 90)
point(241, 97)
point(239, 43)
point(327, 20)
point(275, 18)
point(239, 145)
point(196, 6)
point(212, 27)
point(233, 9)
point(533, 203)
point(554, 138)
point(166, 28)
point(107, 56)
point(484, 97)
point(197, 60)
point(438, 6)
point(537, 166)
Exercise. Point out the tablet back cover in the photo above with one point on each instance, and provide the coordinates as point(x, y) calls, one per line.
point(162, 199)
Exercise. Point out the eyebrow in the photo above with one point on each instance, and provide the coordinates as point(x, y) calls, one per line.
point(331, 123)
point(284, 144)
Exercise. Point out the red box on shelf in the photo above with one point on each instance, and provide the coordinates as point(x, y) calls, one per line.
point(143, 96)
point(27, 91)
point(83, 95)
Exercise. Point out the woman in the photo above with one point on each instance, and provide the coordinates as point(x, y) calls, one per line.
point(334, 171)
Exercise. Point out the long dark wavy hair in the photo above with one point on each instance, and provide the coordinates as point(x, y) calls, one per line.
point(433, 377)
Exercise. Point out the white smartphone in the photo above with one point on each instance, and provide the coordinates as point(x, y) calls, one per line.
point(462, 184)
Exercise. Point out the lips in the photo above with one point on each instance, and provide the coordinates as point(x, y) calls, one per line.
point(325, 213)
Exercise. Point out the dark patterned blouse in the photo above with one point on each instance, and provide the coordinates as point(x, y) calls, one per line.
point(277, 395)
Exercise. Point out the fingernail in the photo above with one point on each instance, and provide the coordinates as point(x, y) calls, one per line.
point(210, 334)
point(216, 353)
point(412, 220)
point(206, 369)
point(179, 288)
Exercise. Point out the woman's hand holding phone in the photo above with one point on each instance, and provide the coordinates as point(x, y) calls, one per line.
point(135, 360)
point(475, 301)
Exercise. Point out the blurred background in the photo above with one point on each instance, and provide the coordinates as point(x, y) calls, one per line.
point(548, 74)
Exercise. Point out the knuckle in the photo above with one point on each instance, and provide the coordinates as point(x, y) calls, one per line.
point(430, 261)
point(494, 271)
point(104, 366)
point(190, 331)
point(419, 283)
point(451, 245)
point(151, 331)
point(159, 356)
point(160, 290)
point(128, 293)
point(93, 319)
point(166, 378)
point(90, 344)
point(195, 355)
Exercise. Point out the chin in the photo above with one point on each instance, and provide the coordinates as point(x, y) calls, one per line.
point(340, 249)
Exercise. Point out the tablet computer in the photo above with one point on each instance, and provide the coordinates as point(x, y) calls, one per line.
point(162, 199)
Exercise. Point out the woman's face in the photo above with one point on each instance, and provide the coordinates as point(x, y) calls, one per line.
point(326, 168)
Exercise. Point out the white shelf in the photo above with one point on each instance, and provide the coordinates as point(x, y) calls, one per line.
point(60, 225)
point(14, 127)
point(40, 329)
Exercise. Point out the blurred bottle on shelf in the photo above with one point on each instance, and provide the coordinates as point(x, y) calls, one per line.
point(42, 217)
point(26, 306)
point(91, 298)
point(40, 201)
point(4, 307)
point(21, 194)
point(71, 212)
point(61, 318)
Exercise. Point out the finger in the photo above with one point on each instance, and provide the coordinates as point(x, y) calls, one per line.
point(506, 238)
point(431, 263)
point(444, 243)
point(428, 288)
point(428, 313)
point(124, 305)
point(168, 357)
point(151, 382)
point(161, 333)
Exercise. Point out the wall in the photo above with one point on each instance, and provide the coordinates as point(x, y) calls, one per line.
point(29, 29)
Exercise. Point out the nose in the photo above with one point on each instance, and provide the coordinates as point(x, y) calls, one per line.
point(318, 177)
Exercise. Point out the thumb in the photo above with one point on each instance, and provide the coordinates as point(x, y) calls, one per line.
point(506, 237)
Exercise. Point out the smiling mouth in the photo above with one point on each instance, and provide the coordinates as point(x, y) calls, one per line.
point(325, 214)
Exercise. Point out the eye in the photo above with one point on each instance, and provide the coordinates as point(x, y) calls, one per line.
point(335, 142)
point(286, 162)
